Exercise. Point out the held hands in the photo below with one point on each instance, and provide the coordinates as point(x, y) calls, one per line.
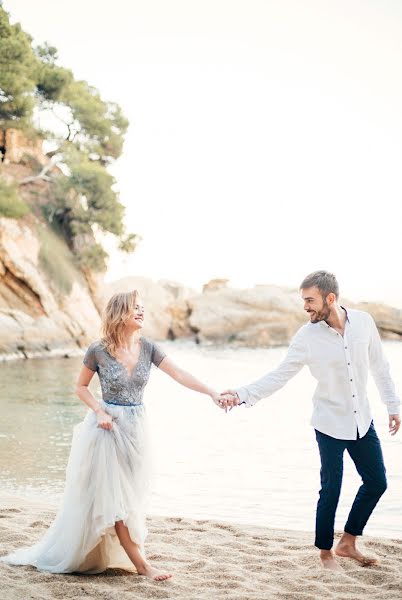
point(229, 399)
point(226, 400)
point(394, 424)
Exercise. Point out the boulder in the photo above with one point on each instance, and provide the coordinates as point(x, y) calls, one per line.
point(166, 305)
point(261, 316)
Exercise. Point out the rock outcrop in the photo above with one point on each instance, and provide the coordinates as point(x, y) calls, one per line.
point(15, 147)
point(35, 317)
point(166, 303)
point(388, 319)
point(265, 315)
point(261, 316)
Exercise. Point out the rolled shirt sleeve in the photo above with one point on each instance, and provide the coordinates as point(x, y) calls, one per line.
point(293, 362)
point(380, 370)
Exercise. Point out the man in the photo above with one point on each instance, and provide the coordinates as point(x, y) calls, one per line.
point(339, 346)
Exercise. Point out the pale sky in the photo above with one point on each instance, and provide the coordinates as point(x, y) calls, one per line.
point(265, 138)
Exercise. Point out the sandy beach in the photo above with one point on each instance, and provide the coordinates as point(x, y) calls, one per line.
point(209, 559)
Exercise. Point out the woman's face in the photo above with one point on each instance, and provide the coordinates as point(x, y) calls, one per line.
point(136, 318)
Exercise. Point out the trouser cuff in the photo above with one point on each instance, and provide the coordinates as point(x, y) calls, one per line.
point(352, 531)
point(323, 545)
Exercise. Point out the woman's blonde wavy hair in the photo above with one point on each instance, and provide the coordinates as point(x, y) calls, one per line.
point(118, 310)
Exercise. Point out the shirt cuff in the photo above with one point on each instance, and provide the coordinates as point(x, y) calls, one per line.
point(243, 396)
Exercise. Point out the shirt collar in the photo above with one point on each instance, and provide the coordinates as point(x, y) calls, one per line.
point(347, 316)
point(325, 324)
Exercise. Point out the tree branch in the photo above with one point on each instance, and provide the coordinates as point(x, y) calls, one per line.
point(42, 175)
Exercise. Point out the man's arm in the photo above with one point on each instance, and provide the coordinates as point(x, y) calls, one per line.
point(379, 368)
point(293, 362)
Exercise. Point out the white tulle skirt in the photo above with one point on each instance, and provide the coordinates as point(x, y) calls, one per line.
point(107, 480)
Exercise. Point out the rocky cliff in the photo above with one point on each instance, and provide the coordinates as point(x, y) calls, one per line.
point(39, 312)
point(47, 304)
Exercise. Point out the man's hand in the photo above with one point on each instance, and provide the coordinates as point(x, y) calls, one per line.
point(229, 399)
point(394, 423)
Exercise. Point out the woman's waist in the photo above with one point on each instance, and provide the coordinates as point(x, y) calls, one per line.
point(122, 402)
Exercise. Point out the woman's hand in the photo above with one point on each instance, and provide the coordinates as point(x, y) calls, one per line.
point(225, 401)
point(217, 399)
point(104, 419)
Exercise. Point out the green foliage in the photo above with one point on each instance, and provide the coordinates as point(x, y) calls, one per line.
point(128, 243)
point(51, 78)
point(17, 72)
point(86, 197)
point(11, 204)
point(57, 260)
point(93, 257)
point(96, 127)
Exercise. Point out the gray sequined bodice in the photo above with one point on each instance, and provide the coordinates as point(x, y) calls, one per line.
point(118, 385)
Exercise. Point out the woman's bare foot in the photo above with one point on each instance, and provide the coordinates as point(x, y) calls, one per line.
point(328, 561)
point(134, 554)
point(350, 551)
point(152, 573)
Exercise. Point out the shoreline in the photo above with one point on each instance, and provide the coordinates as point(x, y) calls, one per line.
point(72, 352)
point(63, 352)
point(209, 559)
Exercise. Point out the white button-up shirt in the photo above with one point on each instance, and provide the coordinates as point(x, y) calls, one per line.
point(340, 364)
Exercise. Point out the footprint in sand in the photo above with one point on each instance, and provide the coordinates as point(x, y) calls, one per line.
point(174, 519)
point(8, 512)
point(198, 564)
point(225, 584)
point(225, 527)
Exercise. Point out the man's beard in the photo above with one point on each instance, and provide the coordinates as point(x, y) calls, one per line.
point(323, 314)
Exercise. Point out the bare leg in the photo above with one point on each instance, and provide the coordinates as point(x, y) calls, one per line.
point(134, 554)
point(328, 560)
point(347, 547)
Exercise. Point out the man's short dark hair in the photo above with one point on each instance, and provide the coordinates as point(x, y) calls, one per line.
point(323, 280)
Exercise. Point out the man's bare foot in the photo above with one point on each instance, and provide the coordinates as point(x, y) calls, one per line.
point(152, 573)
point(328, 561)
point(348, 549)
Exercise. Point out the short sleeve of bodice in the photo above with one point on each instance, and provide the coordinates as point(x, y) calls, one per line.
point(157, 354)
point(90, 359)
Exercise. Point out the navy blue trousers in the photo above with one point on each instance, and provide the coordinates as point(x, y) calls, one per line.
point(366, 453)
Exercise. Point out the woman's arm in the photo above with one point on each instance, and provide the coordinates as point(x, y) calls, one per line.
point(188, 380)
point(83, 393)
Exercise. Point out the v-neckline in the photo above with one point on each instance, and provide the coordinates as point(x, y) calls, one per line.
point(134, 369)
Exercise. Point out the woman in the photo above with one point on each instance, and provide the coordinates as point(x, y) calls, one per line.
point(101, 521)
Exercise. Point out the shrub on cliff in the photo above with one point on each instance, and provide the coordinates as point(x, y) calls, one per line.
point(11, 204)
point(56, 260)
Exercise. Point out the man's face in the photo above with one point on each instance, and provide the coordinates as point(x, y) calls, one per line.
point(315, 305)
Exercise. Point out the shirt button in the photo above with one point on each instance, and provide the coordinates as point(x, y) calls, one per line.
point(349, 364)
point(353, 395)
point(351, 380)
point(355, 411)
point(346, 347)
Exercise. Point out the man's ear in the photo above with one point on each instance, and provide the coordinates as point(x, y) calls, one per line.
point(331, 298)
